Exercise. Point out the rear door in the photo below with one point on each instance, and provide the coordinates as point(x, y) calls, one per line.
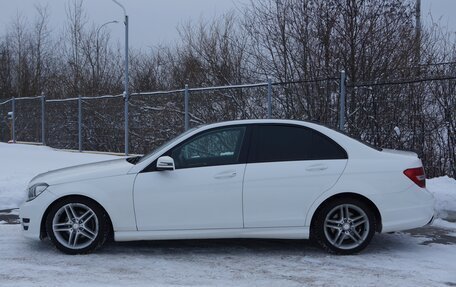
point(289, 166)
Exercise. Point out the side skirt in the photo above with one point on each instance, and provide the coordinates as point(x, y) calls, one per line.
point(269, 233)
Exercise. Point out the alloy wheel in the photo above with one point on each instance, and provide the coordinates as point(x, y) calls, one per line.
point(346, 226)
point(75, 225)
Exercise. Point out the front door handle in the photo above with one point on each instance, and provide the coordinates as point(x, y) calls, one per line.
point(225, 174)
point(317, 167)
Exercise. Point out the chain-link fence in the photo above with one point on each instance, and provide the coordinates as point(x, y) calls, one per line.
point(97, 123)
point(416, 115)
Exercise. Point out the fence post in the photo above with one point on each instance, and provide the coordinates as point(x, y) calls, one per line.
point(269, 98)
point(186, 115)
point(80, 123)
point(13, 119)
point(43, 118)
point(342, 86)
point(127, 100)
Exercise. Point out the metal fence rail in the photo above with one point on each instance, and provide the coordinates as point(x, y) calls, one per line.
point(404, 114)
point(65, 109)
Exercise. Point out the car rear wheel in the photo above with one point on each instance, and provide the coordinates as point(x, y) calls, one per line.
point(344, 226)
point(77, 225)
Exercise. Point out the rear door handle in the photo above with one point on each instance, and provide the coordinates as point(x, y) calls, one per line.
point(317, 167)
point(225, 174)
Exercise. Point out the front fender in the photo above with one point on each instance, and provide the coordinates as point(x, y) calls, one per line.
point(114, 194)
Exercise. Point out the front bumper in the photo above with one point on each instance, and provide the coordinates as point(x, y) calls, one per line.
point(31, 214)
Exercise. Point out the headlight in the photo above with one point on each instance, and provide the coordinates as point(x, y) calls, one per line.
point(36, 190)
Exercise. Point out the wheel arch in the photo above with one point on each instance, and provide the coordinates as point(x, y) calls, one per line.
point(370, 203)
point(43, 233)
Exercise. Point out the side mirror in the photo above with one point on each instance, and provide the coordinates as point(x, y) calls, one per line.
point(165, 163)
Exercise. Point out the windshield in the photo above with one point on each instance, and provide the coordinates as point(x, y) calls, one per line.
point(154, 151)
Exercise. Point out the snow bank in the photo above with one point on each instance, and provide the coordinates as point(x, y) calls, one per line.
point(444, 224)
point(20, 163)
point(444, 190)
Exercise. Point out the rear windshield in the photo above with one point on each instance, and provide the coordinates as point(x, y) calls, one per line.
point(352, 137)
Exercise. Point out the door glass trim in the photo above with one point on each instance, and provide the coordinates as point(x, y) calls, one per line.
point(243, 155)
point(252, 156)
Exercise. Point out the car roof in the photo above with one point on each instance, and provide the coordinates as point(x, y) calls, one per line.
point(351, 145)
point(260, 121)
point(314, 125)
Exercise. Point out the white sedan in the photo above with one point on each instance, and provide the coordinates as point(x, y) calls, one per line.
point(240, 179)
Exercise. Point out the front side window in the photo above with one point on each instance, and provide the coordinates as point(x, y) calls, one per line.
point(217, 147)
point(291, 143)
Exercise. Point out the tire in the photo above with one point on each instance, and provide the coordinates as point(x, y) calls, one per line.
point(344, 226)
point(77, 225)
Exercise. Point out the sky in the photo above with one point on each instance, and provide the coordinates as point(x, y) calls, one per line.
point(154, 22)
point(151, 22)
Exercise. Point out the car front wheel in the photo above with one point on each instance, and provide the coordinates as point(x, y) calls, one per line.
point(77, 225)
point(344, 226)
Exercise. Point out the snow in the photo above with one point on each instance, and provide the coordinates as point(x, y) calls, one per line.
point(20, 163)
point(444, 224)
point(390, 260)
point(423, 257)
point(444, 190)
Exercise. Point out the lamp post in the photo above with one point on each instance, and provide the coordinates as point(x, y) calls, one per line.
point(126, 94)
point(97, 76)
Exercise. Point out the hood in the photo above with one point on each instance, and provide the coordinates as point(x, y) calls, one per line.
point(84, 172)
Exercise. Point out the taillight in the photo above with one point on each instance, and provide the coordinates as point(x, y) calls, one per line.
point(416, 175)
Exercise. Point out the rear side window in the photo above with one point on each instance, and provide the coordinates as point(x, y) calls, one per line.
point(291, 143)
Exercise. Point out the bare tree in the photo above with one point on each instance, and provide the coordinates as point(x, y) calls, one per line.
point(301, 45)
point(40, 49)
point(74, 33)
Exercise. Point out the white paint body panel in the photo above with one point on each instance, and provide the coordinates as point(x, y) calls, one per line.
point(191, 198)
point(267, 200)
point(109, 168)
point(273, 233)
point(278, 194)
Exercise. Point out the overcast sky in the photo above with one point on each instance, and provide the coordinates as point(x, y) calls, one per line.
point(154, 21)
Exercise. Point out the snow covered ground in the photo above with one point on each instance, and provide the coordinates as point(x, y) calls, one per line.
point(421, 257)
point(390, 260)
point(20, 163)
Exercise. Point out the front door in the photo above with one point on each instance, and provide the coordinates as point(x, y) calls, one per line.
point(205, 190)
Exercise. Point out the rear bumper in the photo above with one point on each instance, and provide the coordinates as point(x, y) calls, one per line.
point(405, 210)
point(431, 221)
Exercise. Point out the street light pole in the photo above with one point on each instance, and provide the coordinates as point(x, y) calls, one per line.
point(97, 76)
point(126, 94)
